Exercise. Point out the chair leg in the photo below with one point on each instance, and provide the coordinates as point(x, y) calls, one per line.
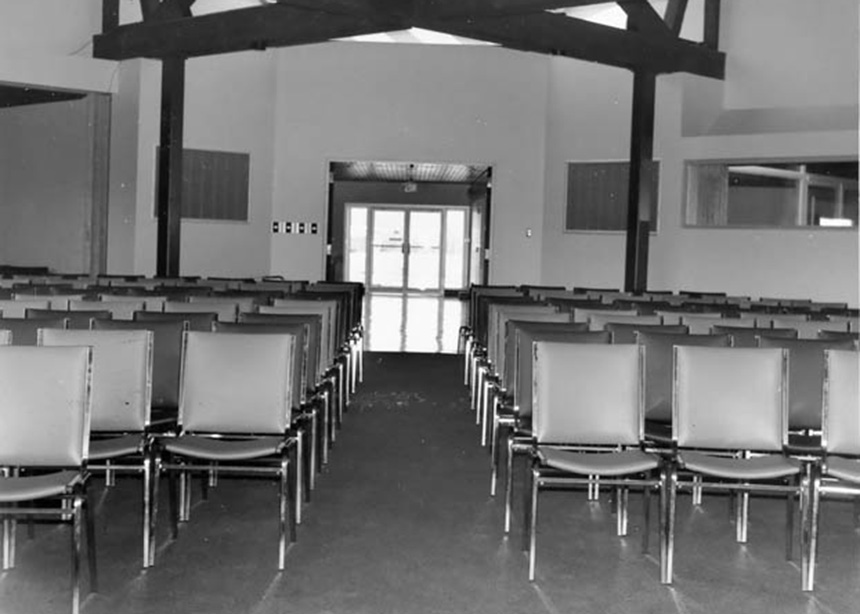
point(494, 450)
point(509, 483)
point(8, 543)
point(810, 502)
point(528, 502)
point(77, 521)
point(110, 475)
point(184, 495)
point(173, 493)
point(646, 518)
point(147, 507)
point(325, 429)
point(89, 518)
point(697, 490)
point(623, 496)
point(668, 496)
point(789, 522)
point(593, 488)
point(283, 507)
point(313, 462)
point(742, 520)
point(153, 516)
point(299, 498)
point(532, 526)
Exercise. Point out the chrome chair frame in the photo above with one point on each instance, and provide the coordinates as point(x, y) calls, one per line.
point(212, 439)
point(63, 395)
point(601, 428)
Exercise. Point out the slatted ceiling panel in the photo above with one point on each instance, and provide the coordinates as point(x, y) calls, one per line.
point(422, 172)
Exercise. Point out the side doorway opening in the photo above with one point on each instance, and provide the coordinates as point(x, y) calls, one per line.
point(416, 236)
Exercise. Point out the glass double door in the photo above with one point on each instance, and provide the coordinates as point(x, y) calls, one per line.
point(400, 249)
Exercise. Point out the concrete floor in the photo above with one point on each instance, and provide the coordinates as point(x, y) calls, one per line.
point(402, 523)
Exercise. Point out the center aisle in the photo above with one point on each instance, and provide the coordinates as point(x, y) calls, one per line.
point(401, 520)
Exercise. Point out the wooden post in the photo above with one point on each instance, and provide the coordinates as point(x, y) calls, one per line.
point(169, 193)
point(640, 188)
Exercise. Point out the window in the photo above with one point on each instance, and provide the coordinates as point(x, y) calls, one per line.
point(215, 185)
point(597, 195)
point(770, 194)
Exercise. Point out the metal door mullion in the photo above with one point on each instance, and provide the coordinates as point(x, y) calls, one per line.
point(368, 249)
point(440, 309)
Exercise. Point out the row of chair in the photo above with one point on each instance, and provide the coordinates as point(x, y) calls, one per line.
point(249, 398)
point(498, 365)
point(729, 433)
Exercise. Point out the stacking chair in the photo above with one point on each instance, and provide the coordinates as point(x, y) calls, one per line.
point(805, 383)
point(236, 304)
point(17, 308)
point(659, 348)
point(121, 402)
point(5, 336)
point(809, 329)
point(167, 350)
point(599, 321)
point(748, 336)
point(682, 315)
point(45, 413)
point(838, 334)
point(25, 331)
point(624, 332)
point(333, 365)
point(493, 367)
point(701, 324)
point(120, 310)
point(730, 426)
point(307, 409)
point(839, 470)
point(587, 423)
point(518, 415)
point(151, 302)
point(224, 312)
point(235, 416)
point(79, 320)
point(199, 321)
point(582, 314)
point(317, 383)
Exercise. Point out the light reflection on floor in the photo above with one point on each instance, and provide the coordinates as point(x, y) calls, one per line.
point(411, 323)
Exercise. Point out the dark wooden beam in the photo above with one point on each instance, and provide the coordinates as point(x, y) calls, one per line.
point(640, 187)
point(560, 35)
point(674, 17)
point(238, 30)
point(110, 14)
point(160, 10)
point(487, 8)
point(712, 24)
point(644, 18)
point(169, 184)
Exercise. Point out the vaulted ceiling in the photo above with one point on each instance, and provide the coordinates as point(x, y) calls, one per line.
point(651, 42)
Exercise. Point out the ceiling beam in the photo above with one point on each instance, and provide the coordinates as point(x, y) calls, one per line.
point(712, 24)
point(674, 17)
point(642, 17)
point(485, 8)
point(575, 38)
point(237, 30)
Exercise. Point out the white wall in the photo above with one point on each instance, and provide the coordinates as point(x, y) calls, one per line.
point(588, 119)
point(229, 106)
point(46, 192)
point(353, 101)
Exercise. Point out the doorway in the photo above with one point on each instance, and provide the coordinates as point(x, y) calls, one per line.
point(416, 235)
point(407, 257)
point(406, 249)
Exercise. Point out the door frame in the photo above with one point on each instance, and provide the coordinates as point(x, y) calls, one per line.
point(408, 210)
point(334, 263)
